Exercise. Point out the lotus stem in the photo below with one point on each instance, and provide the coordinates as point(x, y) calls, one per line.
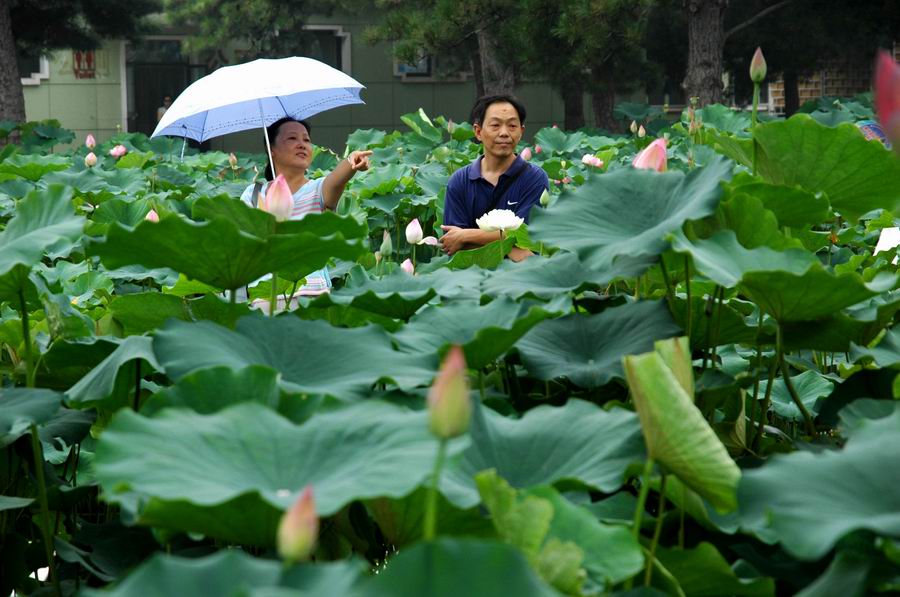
point(753, 404)
point(639, 510)
point(670, 294)
point(137, 385)
point(273, 297)
point(768, 399)
point(26, 335)
point(687, 285)
point(715, 344)
point(45, 510)
point(412, 250)
point(233, 298)
point(681, 517)
point(807, 418)
point(753, 122)
point(648, 575)
point(429, 523)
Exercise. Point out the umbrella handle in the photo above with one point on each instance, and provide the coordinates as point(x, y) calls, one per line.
point(262, 120)
point(184, 143)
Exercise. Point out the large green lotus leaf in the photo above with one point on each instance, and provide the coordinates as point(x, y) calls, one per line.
point(543, 278)
point(859, 325)
point(856, 175)
point(487, 257)
point(722, 259)
point(578, 441)
point(109, 379)
point(45, 222)
point(311, 356)
point(753, 224)
point(588, 349)
point(146, 311)
point(212, 390)
point(219, 253)
point(129, 213)
point(33, 167)
point(738, 149)
point(792, 206)
point(379, 181)
point(885, 354)
point(22, 407)
point(677, 435)
point(790, 285)
point(101, 185)
point(611, 553)
point(229, 474)
point(554, 140)
point(703, 572)
point(230, 573)
point(485, 332)
point(723, 118)
point(847, 574)
point(810, 500)
point(628, 213)
point(14, 503)
point(452, 567)
point(397, 295)
point(810, 386)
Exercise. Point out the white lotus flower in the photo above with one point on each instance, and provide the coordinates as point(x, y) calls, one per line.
point(499, 219)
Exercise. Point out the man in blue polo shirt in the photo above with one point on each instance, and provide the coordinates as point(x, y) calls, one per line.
point(499, 179)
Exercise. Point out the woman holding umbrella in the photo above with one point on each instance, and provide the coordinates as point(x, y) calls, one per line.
point(292, 153)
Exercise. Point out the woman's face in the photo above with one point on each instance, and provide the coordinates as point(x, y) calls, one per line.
point(292, 148)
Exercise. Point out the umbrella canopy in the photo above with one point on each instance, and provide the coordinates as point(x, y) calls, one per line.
point(256, 94)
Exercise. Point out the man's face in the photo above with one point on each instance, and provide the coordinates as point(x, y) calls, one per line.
point(501, 130)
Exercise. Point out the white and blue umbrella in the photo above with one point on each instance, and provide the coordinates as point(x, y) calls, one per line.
point(256, 94)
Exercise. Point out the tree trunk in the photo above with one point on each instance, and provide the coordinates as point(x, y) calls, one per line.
point(603, 97)
point(791, 93)
point(479, 76)
point(498, 78)
point(12, 98)
point(706, 36)
point(573, 102)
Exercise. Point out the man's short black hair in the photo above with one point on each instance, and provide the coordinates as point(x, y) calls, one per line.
point(483, 103)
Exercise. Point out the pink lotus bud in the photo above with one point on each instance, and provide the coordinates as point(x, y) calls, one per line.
point(554, 126)
point(641, 132)
point(232, 161)
point(757, 67)
point(414, 232)
point(387, 247)
point(90, 142)
point(298, 529)
point(451, 126)
point(90, 160)
point(118, 151)
point(408, 266)
point(152, 216)
point(633, 127)
point(545, 198)
point(278, 199)
point(525, 154)
point(566, 180)
point(538, 149)
point(449, 405)
point(652, 157)
point(887, 96)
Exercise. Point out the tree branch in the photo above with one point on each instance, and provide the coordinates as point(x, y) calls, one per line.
point(755, 18)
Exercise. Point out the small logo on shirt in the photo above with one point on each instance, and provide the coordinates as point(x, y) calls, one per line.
point(512, 202)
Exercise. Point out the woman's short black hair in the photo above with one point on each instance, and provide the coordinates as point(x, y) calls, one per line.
point(483, 103)
point(272, 132)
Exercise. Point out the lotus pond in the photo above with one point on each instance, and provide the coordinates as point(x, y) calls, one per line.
point(690, 389)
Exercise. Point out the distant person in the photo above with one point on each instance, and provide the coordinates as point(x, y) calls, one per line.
point(499, 179)
point(167, 101)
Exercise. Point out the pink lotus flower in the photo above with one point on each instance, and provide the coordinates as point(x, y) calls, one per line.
point(566, 180)
point(591, 160)
point(415, 236)
point(118, 151)
point(278, 200)
point(652, 157)
point(408, 267)
point(538, 149)
point(554, 126)
point(90, 160)
point(90, 142)
point(299, 528)
point(525, 154)
point(449, 404)
point(887, 96)
point(152, 216)
point(758, 67)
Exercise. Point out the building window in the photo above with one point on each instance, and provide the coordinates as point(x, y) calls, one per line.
point(33, 68)
point(422, 68)
point(329, 44)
